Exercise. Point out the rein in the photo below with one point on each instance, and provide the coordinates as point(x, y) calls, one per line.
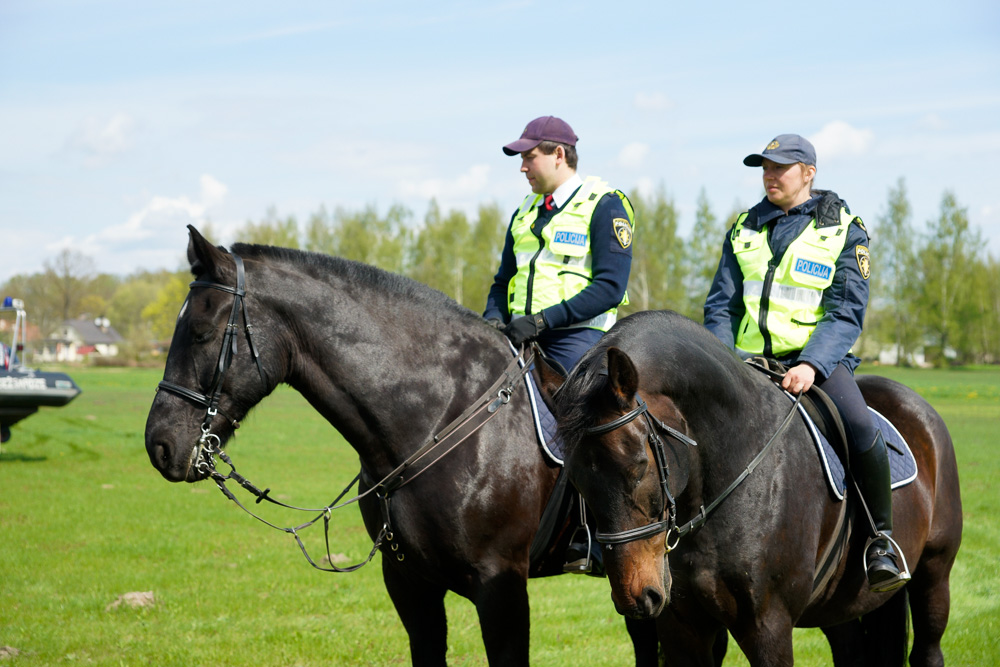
point(669, 524)
point(209, 445)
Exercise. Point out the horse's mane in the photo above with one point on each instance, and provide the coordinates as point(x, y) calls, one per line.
point(575, 399)
point(322, 267)
point(680, 349)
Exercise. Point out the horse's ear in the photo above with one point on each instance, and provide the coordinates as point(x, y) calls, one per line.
point(623, 377)
point(549, 379)
point(204, 257)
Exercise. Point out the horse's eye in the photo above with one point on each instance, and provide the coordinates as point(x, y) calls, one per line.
point(638, 473)
point(203, 337)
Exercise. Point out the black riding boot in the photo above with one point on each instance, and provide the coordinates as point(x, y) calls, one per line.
point(871, 471)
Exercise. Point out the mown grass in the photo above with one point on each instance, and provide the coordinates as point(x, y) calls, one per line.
point(85, 519)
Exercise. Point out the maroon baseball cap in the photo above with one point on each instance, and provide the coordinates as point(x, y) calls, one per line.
point(546, 128)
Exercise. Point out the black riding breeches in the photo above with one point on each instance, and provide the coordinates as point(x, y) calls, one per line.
point(844, 392)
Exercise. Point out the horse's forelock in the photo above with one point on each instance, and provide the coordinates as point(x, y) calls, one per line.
point(578, 399)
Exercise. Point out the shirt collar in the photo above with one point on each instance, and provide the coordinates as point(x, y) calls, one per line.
point(768, 211)
point(566, 190)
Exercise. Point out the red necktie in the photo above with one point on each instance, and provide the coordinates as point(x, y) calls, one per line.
point(548, 203)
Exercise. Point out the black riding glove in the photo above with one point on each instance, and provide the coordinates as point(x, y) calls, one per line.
point(523, 329)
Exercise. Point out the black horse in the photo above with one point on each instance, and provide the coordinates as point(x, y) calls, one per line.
point(748, 563)
point(390, 363)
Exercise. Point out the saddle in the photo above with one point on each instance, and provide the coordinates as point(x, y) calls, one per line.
point(818, 406)
point(827, 430)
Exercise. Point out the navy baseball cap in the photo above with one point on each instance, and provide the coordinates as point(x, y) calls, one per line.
point(546, 128)
point(784, 149)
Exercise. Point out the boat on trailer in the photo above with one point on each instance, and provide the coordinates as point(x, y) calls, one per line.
point(23, 390)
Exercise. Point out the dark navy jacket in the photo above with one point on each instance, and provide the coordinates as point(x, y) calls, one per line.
point(845, 301)
point(610, 264)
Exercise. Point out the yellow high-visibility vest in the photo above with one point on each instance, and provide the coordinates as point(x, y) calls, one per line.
point(784, 302)
point(557, 266)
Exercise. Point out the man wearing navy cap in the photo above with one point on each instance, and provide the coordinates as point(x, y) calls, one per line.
point(792, 285)
point(567, 253)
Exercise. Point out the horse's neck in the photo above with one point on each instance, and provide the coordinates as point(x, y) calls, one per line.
point(751, 414)
point(377, 368)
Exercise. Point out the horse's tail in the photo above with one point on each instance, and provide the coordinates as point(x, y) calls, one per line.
point(887, 631)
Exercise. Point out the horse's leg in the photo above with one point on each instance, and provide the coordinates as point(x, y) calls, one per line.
point(691, 639)
point(930, 603)
point(720, 647)
point(644, 641)
point(502, 604)
point(420, 606)
point(766, 637)
point(886, 632)
point(846, 643)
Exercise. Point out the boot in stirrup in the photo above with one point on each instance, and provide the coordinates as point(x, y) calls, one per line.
point(871, 469)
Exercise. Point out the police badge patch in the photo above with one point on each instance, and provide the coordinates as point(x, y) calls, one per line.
point(623, 231)
point(864, 261)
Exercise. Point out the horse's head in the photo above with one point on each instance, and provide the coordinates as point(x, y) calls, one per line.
point(612, 459)
point(207, 387)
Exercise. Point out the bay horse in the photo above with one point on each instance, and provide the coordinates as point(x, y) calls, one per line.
point(747, 564)
point(389, 362)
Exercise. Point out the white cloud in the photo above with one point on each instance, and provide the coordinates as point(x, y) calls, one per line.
point(152, 237)
point(932, 121)
point(838, 138)
point(212, 191)
point(652, 102)
point(464, 186)
point(163, 213)
point(633, 154)
point(101, 139)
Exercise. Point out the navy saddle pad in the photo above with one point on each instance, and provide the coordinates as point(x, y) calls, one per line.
point(902, 465)
point(545, 423)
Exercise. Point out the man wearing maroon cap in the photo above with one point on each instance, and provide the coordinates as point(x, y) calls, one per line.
point(565, 264)
point(567, 253)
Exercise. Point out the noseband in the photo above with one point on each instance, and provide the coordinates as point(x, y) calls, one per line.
point(669, 524)
point(208, 443)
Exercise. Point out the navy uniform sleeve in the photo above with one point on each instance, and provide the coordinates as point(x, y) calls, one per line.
point(497, 306)
point(724, 307)
point(611, 263)
point(845, 302)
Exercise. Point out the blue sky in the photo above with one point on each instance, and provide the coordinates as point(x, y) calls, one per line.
point(122, 122)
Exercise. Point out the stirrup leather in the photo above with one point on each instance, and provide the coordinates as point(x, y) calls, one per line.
point(587, 566)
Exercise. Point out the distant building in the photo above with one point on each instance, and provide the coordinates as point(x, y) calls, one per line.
point(78, 340)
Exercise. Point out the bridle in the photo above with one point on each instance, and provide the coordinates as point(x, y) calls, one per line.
point(668, 524)
point(663, 471)
point(209, 443)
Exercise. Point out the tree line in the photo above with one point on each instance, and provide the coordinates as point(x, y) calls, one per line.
point(935, 293)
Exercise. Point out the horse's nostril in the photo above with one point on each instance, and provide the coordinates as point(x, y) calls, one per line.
point(652, 600)
point(162, 454)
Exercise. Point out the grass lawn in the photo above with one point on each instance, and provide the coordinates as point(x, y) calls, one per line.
point(85, 519)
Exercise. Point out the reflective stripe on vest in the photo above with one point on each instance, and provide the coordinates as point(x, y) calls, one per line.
point(557, 266)
point(784, 302)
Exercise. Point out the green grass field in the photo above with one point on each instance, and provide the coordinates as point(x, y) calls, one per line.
point(85, 519)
